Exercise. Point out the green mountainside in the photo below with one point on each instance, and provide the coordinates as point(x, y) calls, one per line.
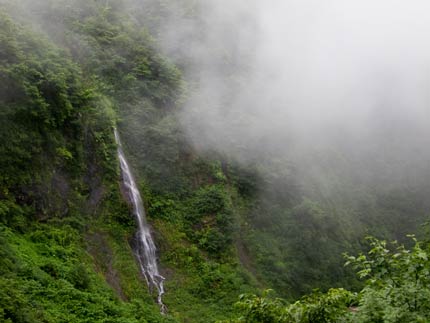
point(72, 71)
point(67, 233)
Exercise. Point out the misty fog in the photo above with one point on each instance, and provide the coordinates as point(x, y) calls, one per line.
point(312, 82)
point(284, 76)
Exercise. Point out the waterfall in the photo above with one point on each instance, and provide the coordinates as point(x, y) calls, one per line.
point(146, 250)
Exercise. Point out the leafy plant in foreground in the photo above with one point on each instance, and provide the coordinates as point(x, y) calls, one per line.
point(397, 290)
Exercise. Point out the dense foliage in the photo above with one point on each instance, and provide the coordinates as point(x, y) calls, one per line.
point(67, 233)
point(70, 71)
point(397, 289)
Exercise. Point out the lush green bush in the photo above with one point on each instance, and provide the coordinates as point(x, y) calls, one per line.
point(210, 219)
point(398, 282)
point(397, 290)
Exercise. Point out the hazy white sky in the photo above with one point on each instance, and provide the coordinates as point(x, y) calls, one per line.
point(306, 67)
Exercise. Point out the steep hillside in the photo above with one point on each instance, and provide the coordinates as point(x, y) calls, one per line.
point(67, 233)
point(224, 223)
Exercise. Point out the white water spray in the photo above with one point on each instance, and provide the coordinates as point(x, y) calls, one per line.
point(146, 250)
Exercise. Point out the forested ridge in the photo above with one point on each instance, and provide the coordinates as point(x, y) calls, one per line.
point(255, 241)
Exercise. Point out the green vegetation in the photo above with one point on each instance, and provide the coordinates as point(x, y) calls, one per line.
point(46, 276)
point(67, 233)
point(397, 289)
point(72, 70)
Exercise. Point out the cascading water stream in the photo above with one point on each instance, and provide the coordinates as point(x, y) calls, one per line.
point(146, 250)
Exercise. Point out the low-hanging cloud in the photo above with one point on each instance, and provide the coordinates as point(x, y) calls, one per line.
point(291, 77)
point(271, 75)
